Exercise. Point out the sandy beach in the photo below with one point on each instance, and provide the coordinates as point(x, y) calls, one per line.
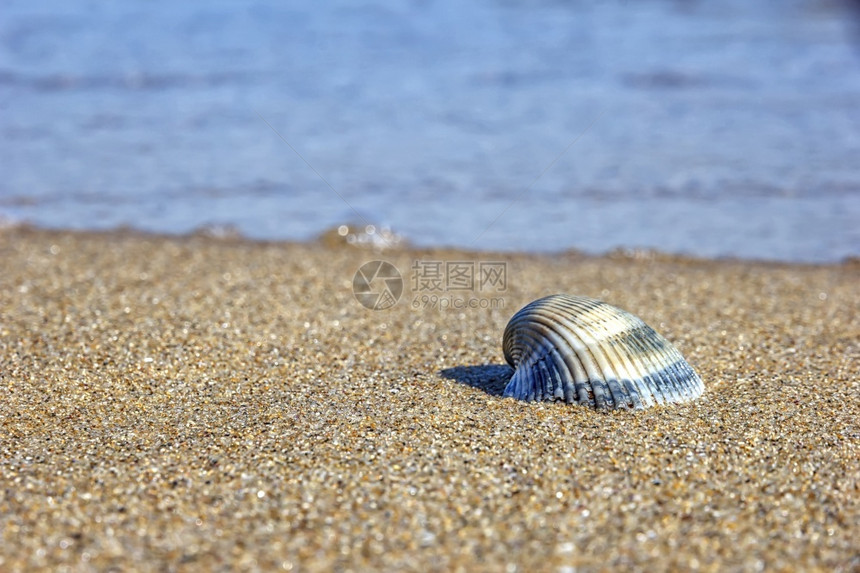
point(204, 403)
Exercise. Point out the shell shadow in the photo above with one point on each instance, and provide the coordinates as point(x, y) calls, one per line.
point(491, 378)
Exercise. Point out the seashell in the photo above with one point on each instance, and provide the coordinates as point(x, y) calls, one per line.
point(579, 349)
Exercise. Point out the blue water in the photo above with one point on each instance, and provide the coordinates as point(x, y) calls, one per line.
point(722, 128)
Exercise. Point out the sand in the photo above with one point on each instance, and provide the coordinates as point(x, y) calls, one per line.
point(196, 403)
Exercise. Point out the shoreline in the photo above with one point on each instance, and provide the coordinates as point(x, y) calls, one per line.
point(330, 239)
point(195, 402)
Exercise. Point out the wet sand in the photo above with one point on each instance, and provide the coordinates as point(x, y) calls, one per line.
point(199, 403)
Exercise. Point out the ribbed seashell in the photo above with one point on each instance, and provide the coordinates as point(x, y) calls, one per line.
point(579, 349)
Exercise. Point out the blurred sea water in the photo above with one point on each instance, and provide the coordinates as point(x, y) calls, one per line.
point(723, 128)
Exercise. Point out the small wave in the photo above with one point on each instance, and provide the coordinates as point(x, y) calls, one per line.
point(131, 81)
point(363, 236)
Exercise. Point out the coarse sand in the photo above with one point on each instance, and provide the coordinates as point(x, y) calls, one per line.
point(217, 404)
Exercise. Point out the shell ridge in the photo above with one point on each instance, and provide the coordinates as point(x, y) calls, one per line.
point(611, 393)
point(629, 371)
point(558, 392)
point(618, 342)
point(587, 347)
point(584, 367)
point(565, 374)
point(695, 381)
point(522, 349)
point(644, 372)
point(656, 392)
point(565, 370)
point(533, 348)
point(540, 384)
point(576, 342)
point(670, 358)
point(680, 380)
point(665, 372)
point(620, 397)
point(689, 379)
point(636, 396)
point(651, 344)
point(548, 382)
point(537, 390)
point(584, 343)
